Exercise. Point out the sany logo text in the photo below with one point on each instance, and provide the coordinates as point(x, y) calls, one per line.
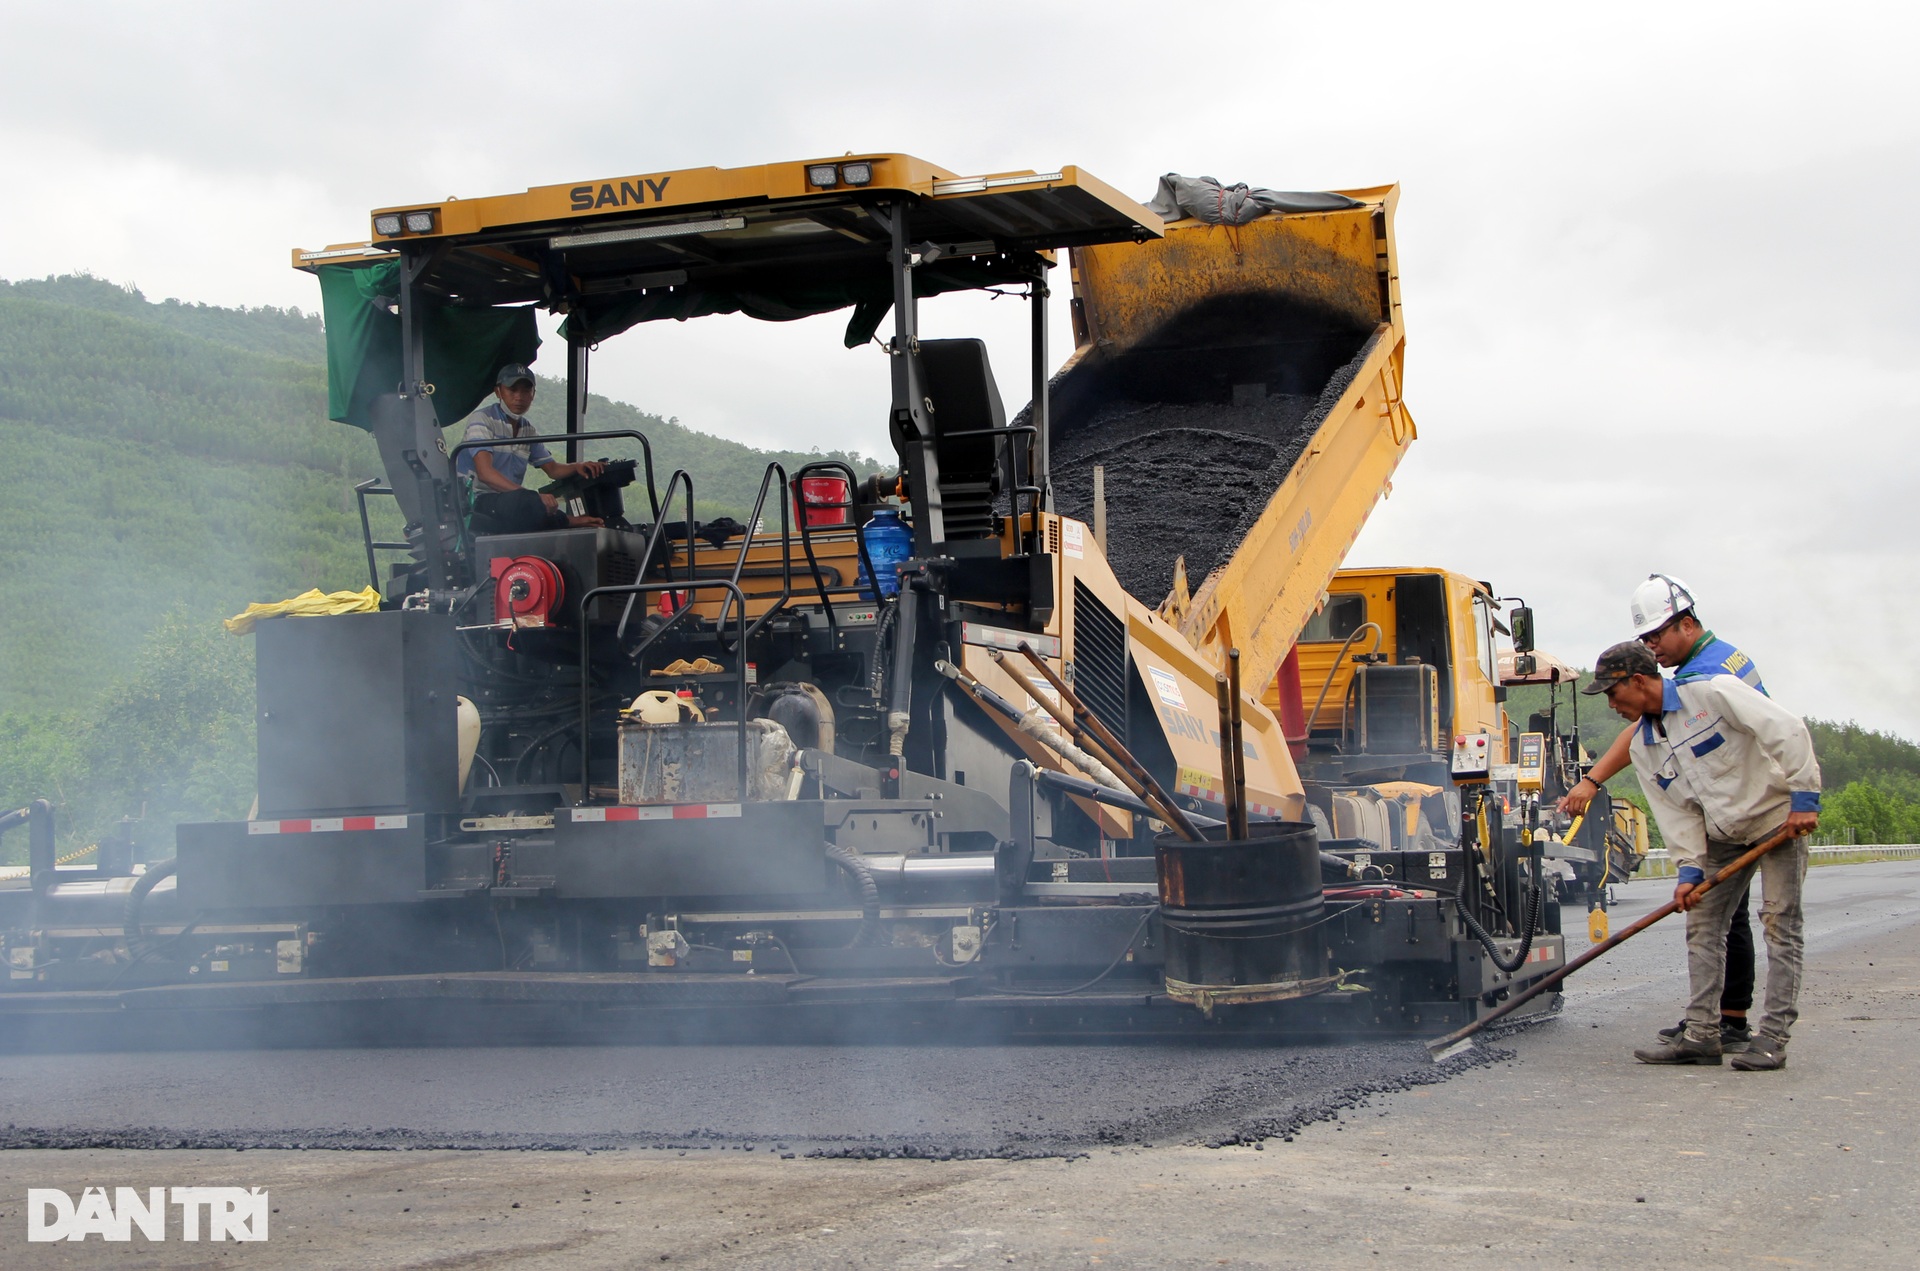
point(232, 1213)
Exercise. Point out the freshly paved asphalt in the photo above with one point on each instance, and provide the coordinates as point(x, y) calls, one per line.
point(1567, 1152)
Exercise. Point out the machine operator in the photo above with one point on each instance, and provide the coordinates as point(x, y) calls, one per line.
point(1665, 620)
point(1723, 767)
point(502, 505)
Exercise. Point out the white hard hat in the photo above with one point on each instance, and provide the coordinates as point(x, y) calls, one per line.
point(1656, 602)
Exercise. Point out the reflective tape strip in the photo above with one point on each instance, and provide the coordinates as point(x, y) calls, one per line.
point(327, 825)
point(659, 812)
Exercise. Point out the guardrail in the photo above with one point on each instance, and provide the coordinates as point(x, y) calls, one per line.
point(1659, 862)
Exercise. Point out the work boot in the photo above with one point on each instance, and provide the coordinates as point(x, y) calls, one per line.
point(1734, 1034)
point(1764, 1054)
point(1682, 1050)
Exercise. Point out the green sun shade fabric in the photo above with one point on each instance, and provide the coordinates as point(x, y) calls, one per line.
point(465, 347)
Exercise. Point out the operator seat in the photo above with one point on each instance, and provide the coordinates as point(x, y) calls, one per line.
point(973, 469)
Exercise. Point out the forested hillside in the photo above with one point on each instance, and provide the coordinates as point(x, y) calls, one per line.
point(170, 463)
point(1872, 783)
point(164, 457)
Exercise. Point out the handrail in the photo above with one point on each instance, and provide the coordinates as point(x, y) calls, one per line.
point(633, 590)
point(1011, 430)
point(746, 545)
point(38, 818)
point(646, 450)
point(1007, 434)
point(680, 475)
point(373, 485)
point(806, 537)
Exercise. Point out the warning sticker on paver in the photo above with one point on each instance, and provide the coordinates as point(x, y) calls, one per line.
point(1073, 538)
point(1166, 687)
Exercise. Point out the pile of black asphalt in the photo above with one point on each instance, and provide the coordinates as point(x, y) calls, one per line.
point(1195, 442)
point(1181, 481)
point(937, 1102)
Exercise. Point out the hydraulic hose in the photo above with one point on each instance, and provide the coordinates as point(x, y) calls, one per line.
point(1334, 670)
point(850, 862)
point(137, 897)
point(1536, 912)
point(877, 675)
point(528, 751)
point(1112, 966)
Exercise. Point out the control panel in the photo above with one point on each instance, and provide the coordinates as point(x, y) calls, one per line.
point(1472, 756)
point(1531, 768)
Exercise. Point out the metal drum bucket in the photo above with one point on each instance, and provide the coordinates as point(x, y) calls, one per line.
point(1242, 918)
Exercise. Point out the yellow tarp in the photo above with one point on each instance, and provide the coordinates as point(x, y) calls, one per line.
point(311, 604)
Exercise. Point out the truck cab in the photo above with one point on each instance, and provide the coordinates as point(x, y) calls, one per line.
point(1398, 669)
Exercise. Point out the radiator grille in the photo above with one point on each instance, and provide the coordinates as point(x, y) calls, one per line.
point(617, 569)
point(1100, 659)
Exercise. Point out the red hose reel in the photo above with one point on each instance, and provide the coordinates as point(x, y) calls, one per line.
point(526, 590)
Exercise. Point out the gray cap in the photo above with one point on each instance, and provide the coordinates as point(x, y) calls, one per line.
point(1620, 662)
point(512, 373)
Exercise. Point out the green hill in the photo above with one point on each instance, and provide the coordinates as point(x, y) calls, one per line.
point(157, 467)
point(174, 462)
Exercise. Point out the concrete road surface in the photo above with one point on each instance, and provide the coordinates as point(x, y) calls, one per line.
point(1565, 1153)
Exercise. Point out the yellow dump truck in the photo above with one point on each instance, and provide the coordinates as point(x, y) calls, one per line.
point(1405, 680)
point(1385, 636)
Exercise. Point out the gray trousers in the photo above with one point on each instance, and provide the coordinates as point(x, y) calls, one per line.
point(1781, 873)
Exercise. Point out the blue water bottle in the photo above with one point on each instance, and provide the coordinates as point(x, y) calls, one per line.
point(889, 542)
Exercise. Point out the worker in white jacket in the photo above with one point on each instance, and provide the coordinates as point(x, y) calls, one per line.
point(1723, 767)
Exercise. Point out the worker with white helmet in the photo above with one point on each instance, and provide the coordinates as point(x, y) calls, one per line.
point(1664, 619)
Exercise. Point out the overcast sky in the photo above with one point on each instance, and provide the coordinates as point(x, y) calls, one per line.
point(1658, 281)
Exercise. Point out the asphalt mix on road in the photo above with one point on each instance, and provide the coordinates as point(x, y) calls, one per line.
point(935, 1102)
point(1554, 1147)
